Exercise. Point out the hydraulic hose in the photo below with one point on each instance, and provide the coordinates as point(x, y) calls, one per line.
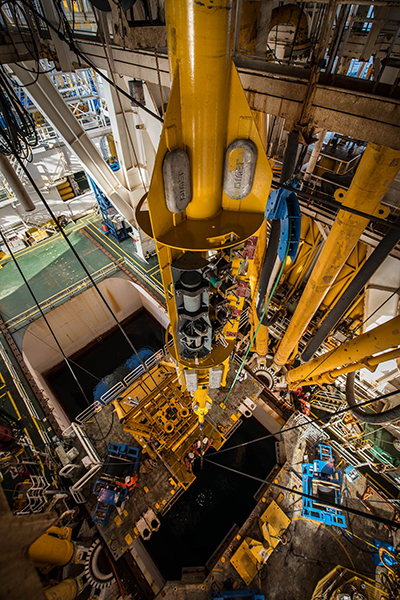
point(392, 414)
point(267, 268)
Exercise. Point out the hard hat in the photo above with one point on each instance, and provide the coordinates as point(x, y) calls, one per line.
point(127, 479)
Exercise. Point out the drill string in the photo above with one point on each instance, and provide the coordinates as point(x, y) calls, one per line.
point(315, 420)
point(257, 328)
point(341, 507)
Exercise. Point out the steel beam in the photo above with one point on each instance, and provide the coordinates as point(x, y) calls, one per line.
point(50, 102)
point(363, 347)
point(124, 120)
point(280, 90)
point(15, 184)
point(375, 173)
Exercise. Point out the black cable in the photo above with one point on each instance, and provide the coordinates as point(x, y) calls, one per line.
point(5, 241)
point(351, 529)
point(105, 435)
point(315, 420)
point(106, 304)
point(349, 539)
point(392, 414)
point(72, 46)
point(354, 511)
point(17, 127)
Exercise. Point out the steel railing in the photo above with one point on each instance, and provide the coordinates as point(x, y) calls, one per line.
point(119, 387)
point(29, 315)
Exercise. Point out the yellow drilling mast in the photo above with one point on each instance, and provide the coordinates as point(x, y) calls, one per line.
point(207, 196)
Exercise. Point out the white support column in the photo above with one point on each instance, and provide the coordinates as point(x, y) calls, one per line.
point(50, 102)
point(66, 58)
point(314, 155)
point(263, 27)
point(130, 150)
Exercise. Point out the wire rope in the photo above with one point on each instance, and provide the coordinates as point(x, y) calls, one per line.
point(88, 274)
point(68, 37)
point(278, 486)
point(309, 422)
point(5, 241)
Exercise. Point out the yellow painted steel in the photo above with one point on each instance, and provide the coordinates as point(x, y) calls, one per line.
point(377, 169)
point(199, 40)
point(207, 111)
point(51, 550)
point(273, 523)
point(363, 347)
point(66, 590)
point(340, 579)
point(368, 363)
point(253, 553)
point(262, 337)
point(162, 418)
point(347, 273)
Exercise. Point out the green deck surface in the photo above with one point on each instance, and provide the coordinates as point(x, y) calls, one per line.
point(50, 266)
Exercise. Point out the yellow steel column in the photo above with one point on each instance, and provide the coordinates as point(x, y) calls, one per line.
point(49, 549)
point(381, 338)
point(369, 363)
point(191, 207)
point(261, 341)
point(200, 41)
point(376, 171)
point(66, 590)
point(262, 338)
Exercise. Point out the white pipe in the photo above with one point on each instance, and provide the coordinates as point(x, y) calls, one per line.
point(87, 446)
point(15, 184)
point(314, 155)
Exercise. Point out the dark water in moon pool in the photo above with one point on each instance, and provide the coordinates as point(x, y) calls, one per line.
point(109, 360)
point(191, 531)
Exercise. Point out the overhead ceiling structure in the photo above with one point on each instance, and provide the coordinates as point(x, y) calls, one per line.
point(243, 157)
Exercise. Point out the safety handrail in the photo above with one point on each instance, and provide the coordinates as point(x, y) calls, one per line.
point(115, 391)
point(112, 393)
point(68, 292)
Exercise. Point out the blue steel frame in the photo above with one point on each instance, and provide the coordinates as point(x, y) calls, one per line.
point(123, 452)
point(322, 470)
point(107, 211)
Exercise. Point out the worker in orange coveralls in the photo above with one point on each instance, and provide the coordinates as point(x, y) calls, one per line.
point(130, 482)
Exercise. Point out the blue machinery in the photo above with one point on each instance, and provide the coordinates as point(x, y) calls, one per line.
point(121, 462)
point(323, 481)
point(283, 205)
point(113, 222)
